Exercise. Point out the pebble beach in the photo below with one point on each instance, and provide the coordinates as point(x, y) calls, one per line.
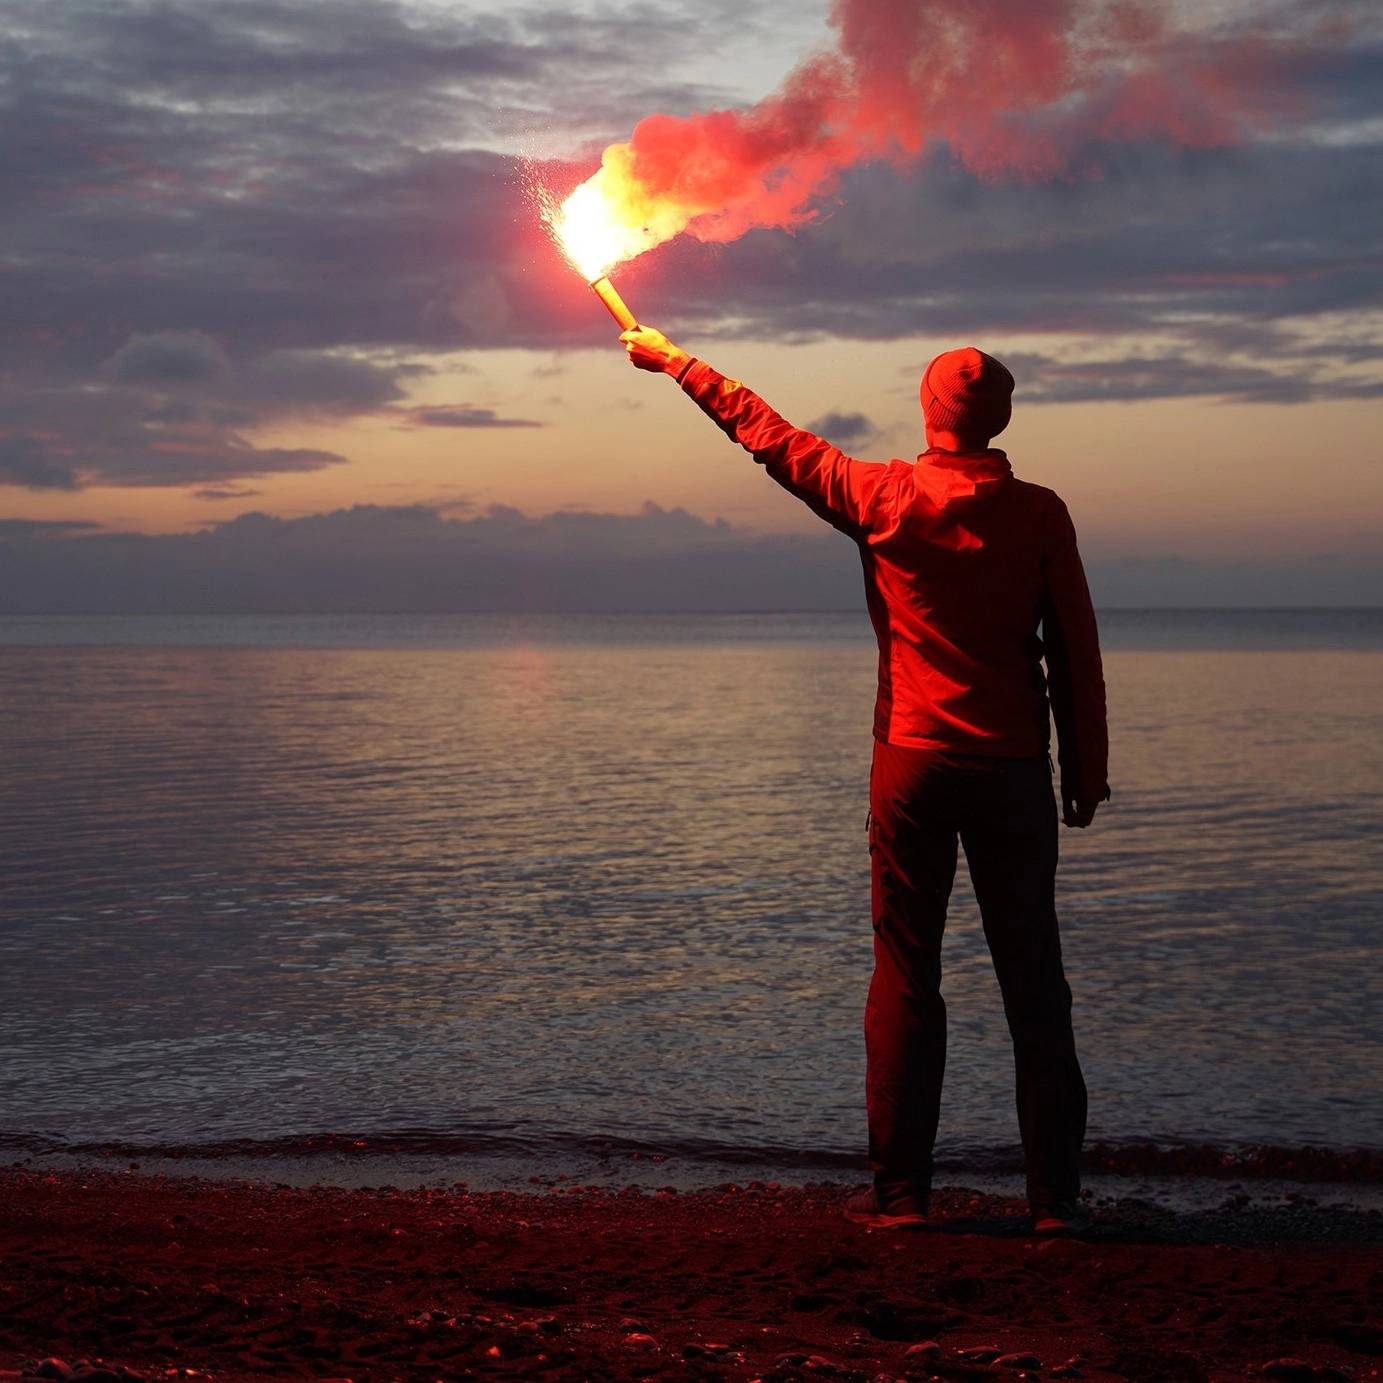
point(113, 1277)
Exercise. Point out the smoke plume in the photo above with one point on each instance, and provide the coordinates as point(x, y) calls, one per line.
point(1016, 88)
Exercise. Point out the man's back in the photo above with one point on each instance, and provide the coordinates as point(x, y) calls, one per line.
point(962, 563)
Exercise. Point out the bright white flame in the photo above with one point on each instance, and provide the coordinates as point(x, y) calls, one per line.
point(608, 219)
point(588, 232)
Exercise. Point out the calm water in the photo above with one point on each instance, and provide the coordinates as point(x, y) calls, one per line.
point(495, 879)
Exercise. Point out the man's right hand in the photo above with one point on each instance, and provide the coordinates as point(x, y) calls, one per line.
point(649, 349)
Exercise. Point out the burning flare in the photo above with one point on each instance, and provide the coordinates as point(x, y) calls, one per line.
point(607, 220)
point(602, 224)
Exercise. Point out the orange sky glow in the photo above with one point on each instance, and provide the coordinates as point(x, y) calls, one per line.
point(1195, 477)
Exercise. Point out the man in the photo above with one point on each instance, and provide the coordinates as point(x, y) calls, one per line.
point(962, 564)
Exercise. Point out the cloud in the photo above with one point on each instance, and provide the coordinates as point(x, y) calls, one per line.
point(844, 429)
point(1259, 267)
point(235, 214)
point(25, 460)
point(225, 492)
point(264, 385)
point(171, 408)
point(299, 383)
point(414, 559)
point(122, 441)
point(248, 171)
point(459, 415)
point(1173, 582)
point(43, 528)
point(168, 360)
point(411, 558)
point(1128, 378)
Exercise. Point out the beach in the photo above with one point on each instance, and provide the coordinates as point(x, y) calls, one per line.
point(306, 923)
point(162, 1276)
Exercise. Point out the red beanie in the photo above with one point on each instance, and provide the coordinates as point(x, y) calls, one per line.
point(968, 392)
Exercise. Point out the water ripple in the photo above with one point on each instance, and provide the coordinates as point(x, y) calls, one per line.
point(577, 889)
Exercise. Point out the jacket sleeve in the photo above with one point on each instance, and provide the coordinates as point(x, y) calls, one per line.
point(843, 491)
point(1075, 674)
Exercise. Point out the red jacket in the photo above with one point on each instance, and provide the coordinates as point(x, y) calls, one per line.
point(962, 562)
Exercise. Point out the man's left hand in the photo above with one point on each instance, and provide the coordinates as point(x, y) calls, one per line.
point(1078, 812)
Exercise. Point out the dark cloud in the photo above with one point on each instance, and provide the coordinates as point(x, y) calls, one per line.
point(1232, 233)
point(187, 459)
point(844, 429)
point(1262, 267)
point(266, 385)
point(169, 360)
point(221, 216)
point(301, 382)
point(1173, 582)
point(43, 528)
point(26, 460)
point(1126, 378)
point(413, 559)
point(276, 180)
point(459, 415)
point(122, 438)
point(172, 408)
point(224, 492)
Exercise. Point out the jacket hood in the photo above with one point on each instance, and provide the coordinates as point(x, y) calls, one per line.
point(960, 481)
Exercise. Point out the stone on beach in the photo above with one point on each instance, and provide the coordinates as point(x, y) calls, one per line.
point(924, 1349)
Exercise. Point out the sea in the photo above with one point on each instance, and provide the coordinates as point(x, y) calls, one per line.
point(394, 899)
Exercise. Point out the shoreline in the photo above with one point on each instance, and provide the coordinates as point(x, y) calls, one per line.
point(1183, 1179)
point(238, 1279)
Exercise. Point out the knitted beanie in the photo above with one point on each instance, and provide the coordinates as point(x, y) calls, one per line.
point(968, 392)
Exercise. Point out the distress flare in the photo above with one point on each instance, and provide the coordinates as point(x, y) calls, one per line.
point(599, 226)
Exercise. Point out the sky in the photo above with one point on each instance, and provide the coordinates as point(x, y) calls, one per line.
point(272, 272)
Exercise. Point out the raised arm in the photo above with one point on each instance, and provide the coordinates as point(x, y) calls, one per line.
point(844, 491)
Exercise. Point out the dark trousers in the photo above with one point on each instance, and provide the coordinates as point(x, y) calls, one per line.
point(1003, 811)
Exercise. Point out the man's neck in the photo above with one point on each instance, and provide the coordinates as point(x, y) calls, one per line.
point(939, 440)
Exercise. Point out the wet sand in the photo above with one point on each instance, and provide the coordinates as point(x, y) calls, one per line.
point(166, 1277)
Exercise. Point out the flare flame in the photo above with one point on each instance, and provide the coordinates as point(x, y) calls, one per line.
point(605, 221)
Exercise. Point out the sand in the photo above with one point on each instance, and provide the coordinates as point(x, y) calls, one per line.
point(175, 1277)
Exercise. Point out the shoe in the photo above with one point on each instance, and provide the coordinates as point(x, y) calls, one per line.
point(901, 1210)
point(1062, 1217)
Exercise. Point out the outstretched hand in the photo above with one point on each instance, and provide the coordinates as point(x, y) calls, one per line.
point(649, 349)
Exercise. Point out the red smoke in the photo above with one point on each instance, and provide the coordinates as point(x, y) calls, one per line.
point(1019, 88)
